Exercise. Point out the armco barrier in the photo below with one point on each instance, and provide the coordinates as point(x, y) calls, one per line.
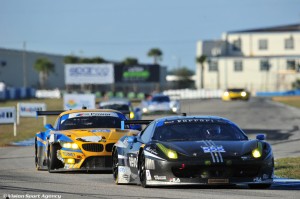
point(278, 93)
point(193, 94)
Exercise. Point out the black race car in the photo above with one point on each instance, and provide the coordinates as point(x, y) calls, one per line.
point(193, 150)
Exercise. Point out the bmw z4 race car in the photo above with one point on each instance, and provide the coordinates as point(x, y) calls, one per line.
point(193, 150)
point(79, 140)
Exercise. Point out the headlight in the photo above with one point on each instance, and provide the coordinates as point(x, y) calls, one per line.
point(226, 94)
point(69, 145)
point(168, 152)
point(174, 109)
point(145, 110)
point(131, 115)
point(243, 94)
point(256, 153)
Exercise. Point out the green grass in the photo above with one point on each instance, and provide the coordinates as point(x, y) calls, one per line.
point(28, 127)
point(288, 167)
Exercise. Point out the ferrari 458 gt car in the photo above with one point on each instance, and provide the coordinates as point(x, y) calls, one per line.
point(160, 104)
point(235, 94)
point(79, 140)
point(193, 150)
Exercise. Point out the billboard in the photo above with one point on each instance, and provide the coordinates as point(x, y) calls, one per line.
point(7, 115)
point(30, 109)
point(77, 101)
point(137, 73)
point(89, 74)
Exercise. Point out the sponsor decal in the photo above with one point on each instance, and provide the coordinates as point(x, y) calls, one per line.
point(174, 180)
point(90, 138)
point(148, 175)
point(215, 151)
point(93, 114)
point(265, 176)
point(257, 179)
point(100, 131)
point(150, 150)
point(133, 162)
point(156, 177)
point(68, 154)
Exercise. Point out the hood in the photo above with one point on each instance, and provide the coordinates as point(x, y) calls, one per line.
point(204, 148)
point(95, 135)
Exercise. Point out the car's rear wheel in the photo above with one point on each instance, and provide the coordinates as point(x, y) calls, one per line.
point(259, 186)
point(53, 161)
point(115, 167)
point(142, 171)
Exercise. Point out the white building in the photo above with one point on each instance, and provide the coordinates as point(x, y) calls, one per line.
point(264, 59)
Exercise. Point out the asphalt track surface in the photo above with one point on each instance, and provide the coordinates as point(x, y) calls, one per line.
point(19, 179)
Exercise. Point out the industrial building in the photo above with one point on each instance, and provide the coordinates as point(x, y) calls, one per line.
point(261, 59)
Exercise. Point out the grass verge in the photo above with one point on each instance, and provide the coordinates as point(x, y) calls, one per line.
point(288, 167)
point(289, 100)
point(28, 127)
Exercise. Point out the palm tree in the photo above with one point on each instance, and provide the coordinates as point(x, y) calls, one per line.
point(156, 53)
point(44, 67)
point(129, 61)
point(200, 60)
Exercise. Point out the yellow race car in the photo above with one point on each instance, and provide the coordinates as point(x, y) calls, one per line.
point(79, 140)
point(235, 94)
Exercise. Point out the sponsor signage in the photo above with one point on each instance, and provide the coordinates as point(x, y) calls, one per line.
point(30, 109)
point(89, 74)
point(136, 74)
point(7, 115)
point(77, 101)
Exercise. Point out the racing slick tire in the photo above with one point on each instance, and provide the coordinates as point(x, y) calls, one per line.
point(53, 162)
point(115, 167)
point(142, 171)
point(36, 159)
point(259, 186)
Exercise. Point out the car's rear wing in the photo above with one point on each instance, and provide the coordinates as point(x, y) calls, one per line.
point(136, 122)
point(46, 113)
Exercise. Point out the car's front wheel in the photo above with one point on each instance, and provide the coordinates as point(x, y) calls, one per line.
point(142, 171)
point(115, 167)
point(53, 161)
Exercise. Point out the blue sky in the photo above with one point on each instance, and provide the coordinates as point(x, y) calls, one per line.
point(116, 29)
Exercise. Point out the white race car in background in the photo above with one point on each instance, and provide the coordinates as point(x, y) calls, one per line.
point(160, 104)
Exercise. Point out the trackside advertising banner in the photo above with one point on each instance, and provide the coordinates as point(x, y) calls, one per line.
point(7, 115)
point(77, 101)
point(89, 74)
point(30, 109)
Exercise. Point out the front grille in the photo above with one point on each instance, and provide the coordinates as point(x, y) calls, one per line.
point(109, 147)
point(215, 171)
point(93, 147)
point(97, 162)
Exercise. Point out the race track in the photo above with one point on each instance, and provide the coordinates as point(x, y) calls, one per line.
point(19, 179)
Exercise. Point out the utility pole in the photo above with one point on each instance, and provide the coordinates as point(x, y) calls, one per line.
point(24, 65)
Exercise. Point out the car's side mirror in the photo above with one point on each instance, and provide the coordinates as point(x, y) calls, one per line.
point(49, 127)
point(131, 139)
point(260, 137)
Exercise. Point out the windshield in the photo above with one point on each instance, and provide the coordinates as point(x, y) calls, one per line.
point(160, 99)
point(198, 132)
point(235, 90)
point(118, 107)
point(90, 122)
